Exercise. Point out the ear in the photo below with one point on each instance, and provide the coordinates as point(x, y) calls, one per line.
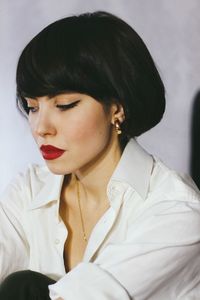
point(117, 113)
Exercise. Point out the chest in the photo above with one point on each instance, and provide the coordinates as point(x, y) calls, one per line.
point(57, 246)
point(80, 224)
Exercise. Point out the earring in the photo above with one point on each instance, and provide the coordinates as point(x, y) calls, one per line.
point(117, 126)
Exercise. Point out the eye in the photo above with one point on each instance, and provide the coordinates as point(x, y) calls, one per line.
point(64, 107)
point(32, 109)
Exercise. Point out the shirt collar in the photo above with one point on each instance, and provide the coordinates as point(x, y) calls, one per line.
point(47, 189)
point(135, 168)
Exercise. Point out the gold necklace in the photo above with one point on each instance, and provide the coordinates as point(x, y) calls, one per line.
point(80, 211)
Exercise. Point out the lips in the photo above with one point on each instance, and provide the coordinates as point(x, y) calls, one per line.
point(50, 152)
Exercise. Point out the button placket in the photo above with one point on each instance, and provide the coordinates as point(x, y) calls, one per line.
point(61, 235)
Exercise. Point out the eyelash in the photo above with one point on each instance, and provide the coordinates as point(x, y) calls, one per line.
point(61, 107)
point(67, 106)
point(32, 109)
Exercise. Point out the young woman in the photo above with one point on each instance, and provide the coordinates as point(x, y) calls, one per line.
point(103, 219)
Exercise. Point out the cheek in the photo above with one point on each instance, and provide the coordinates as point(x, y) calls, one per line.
point(89, 126)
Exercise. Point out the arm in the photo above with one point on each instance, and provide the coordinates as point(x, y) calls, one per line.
point(88, 281)
point(13, 244)
point(159, 260)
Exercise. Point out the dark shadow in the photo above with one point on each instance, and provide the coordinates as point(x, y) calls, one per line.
point(195, 141)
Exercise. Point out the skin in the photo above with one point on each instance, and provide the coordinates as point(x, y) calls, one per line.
point(87, 132)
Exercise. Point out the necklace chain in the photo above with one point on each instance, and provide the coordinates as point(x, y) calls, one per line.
point(80, 211)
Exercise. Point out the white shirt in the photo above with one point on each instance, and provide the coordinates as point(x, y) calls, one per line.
point(146, 246)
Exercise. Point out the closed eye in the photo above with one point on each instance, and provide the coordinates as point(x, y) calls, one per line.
point(63, 107)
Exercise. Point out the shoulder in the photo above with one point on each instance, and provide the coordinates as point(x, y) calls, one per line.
point(26, 185)
point(172, 206)
point(170, 213)
point(167, 184)
point(31, 177)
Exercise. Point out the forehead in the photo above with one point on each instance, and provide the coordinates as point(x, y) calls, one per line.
point(64, 95)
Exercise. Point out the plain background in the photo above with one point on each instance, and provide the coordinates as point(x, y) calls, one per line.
point(171, 31)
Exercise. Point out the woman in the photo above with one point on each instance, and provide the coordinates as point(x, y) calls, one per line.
point(104, 219)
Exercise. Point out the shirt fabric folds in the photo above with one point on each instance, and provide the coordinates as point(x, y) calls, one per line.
point(145, 246)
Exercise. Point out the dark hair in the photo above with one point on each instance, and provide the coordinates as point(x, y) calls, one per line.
point(97, 54)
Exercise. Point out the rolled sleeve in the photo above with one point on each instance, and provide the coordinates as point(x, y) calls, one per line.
point(88, 281)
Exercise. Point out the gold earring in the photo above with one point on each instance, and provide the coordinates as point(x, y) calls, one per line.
point(117, 126)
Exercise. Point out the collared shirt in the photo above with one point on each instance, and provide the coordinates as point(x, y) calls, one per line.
point(146, 245)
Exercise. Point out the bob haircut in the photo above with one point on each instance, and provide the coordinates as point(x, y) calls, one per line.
point(96, 54)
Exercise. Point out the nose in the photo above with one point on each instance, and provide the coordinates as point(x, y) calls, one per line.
point(43, 124)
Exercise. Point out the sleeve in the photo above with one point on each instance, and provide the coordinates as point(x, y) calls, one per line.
point(88, 281)
point(13, 243)
point(160, 259)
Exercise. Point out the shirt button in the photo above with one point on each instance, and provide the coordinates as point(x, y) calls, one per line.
point(57, 241)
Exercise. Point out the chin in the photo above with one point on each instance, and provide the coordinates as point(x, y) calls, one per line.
point(58, 169)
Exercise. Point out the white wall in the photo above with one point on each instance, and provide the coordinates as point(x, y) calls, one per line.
point(171, 30)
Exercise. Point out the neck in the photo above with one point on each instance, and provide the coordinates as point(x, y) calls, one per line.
point(96, 176)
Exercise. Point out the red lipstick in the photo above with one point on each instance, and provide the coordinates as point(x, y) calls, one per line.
point(50, 152)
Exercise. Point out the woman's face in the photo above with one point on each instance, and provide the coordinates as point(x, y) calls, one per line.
point(72, 130)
